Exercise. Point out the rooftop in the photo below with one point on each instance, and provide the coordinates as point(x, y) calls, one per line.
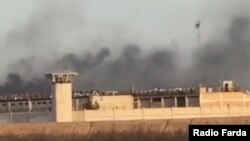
point(61, 72)
point(61, 76)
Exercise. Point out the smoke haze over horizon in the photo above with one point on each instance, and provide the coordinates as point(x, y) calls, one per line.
point(109, 54)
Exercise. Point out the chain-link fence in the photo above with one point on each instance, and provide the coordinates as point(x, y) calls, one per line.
point(25, 117)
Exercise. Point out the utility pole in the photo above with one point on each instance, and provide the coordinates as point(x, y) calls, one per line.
point(197, 26)
point(133, 88)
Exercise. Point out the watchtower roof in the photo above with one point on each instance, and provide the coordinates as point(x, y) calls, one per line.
point(61, 76)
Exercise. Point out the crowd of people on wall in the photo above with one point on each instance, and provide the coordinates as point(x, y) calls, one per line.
point(187, 90)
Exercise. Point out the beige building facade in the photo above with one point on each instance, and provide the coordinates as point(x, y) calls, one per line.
point(114, 102)
point(224, 101)
point(159, 113)
point(227, 95)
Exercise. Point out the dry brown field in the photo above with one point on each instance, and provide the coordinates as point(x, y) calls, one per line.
point(155, 130)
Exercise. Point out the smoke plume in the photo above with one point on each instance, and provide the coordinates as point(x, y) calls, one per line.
point(225, 58)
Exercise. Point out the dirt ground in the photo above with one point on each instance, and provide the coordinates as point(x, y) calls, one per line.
point(117, 130)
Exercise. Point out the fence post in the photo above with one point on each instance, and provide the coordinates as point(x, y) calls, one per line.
point(172, 112)
point(11, 120)
point(84, 113)
point(28, 117)
point(142, 113)
point(162, 102)
point(244, 100)
point(113, 113)
point(77, 103)
point(221, 100)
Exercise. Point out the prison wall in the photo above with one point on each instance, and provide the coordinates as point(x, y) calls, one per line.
point(159, 113)
point(221, 99)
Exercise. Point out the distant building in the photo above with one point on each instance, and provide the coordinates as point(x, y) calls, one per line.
point(64, 101)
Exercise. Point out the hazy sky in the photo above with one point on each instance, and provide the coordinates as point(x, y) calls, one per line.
point(37, 28)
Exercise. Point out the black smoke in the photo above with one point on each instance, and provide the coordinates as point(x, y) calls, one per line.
point(132, 67)
point(82, 63)
point(225, 58)
point(14, 84)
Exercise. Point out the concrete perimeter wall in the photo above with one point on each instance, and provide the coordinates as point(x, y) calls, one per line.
point(130, 114)
point(159, 113)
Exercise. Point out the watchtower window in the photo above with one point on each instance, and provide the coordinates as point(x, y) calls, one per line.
point(226, 87)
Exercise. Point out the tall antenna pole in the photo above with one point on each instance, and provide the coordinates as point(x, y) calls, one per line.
point(197, 26)
point(133, 88)
point(198, 34)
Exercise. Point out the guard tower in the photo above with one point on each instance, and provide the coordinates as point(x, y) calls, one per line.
point(61, 95)
point(228, 85)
